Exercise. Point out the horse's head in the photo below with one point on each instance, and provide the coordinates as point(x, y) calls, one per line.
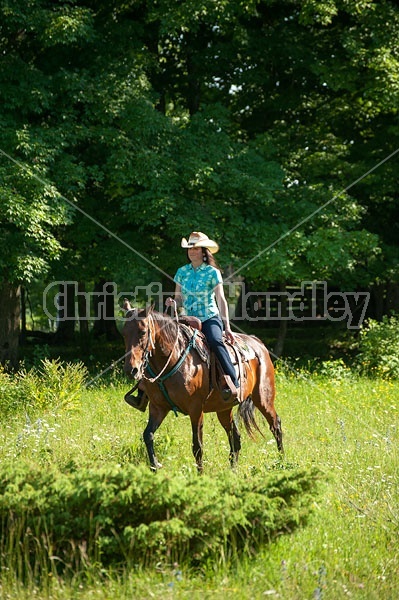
point(138, 333)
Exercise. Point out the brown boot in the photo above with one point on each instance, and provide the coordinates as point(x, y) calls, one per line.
point(229, 390)
point(139, 401)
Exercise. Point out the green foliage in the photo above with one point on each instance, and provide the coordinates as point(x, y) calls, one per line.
point(345, 427)
point(28, 213)
point(229, 184)
point(50, 386)
point(173, 110)
point(67, 24)
point(379, 348)
point(116, 514)
point(334, 370)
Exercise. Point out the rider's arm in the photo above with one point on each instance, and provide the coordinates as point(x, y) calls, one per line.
point(178, 297)
point(224, 311)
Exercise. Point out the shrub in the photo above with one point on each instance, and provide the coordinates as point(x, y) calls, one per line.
point(52, 385)
point(334, 369)
point(50, 520)
point(379, 348)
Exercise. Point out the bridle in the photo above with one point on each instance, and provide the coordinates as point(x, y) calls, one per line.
point(162, 376)
point(147, 353)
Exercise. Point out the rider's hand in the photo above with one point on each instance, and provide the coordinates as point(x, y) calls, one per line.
point(170, 302)
point(229, 335)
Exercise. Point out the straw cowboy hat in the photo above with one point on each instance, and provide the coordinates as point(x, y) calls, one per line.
point(199, 240)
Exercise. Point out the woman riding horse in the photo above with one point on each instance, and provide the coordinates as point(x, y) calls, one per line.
point(199, 290)
point(174, 373)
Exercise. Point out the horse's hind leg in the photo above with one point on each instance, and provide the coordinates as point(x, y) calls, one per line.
point(227, 422)
point(278, 433)
point(268, 411)
point(197, 425)
point(263, 398)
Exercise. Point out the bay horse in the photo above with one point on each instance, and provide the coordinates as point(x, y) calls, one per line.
point(176, 377)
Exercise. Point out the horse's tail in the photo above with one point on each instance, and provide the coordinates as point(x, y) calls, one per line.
point(246, 413)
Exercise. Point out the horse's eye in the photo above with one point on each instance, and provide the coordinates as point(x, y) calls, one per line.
point(141, 337)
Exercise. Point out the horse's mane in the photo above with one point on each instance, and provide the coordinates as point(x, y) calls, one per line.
point(168, 328)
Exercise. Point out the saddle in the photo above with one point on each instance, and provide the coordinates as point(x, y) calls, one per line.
point(240, 354)
point(201, 345)
point(193, 322)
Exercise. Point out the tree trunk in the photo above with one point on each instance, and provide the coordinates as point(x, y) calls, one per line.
point(104, 311)
point(9, 324)
point(22, 336)
point(392, 306)
point(66, 317)
point(84, 317)
point(378, 298)
point(283, 323)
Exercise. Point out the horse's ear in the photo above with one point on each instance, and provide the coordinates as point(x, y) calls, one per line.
point(126, 305)
point(150, 310)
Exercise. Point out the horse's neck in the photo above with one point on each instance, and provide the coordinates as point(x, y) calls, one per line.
point(163, 351)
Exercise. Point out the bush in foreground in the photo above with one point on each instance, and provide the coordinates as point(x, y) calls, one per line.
point(63, 522)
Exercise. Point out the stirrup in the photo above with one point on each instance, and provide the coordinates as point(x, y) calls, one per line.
point(139, 401)
point(229, 390)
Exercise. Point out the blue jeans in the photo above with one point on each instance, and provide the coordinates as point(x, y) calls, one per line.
point(213, 331)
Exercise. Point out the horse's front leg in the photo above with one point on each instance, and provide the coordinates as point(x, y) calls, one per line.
point(197, 425)
point(227, 422)
point(154, 421)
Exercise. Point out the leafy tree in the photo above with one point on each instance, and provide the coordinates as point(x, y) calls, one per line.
point(301, 81)
point(315, 78)
point(249, 121)
point(34, 143)
point(65, 96)
point(319, 78)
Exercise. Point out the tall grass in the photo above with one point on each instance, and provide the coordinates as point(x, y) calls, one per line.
point(50, 385)
point(346, 427)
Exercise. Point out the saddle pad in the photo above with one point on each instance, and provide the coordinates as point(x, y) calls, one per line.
point(247, 353)
point(201, 345)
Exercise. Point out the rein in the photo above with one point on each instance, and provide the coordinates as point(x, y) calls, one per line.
point(154, 377)
point(160, 377)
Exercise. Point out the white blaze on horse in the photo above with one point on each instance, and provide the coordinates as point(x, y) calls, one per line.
point(168, 360)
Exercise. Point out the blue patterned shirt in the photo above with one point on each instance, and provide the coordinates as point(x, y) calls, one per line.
point(197, 288)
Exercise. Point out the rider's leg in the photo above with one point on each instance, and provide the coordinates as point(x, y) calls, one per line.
point(213, 331)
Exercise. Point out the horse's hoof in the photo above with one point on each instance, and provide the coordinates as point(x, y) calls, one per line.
point(156, 467)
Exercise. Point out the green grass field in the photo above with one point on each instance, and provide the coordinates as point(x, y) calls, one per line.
point(345, 426)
